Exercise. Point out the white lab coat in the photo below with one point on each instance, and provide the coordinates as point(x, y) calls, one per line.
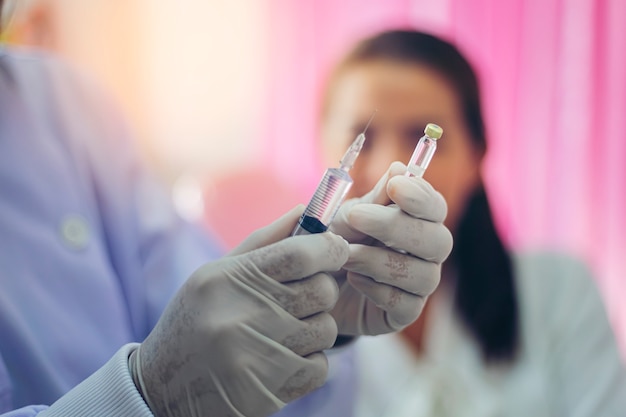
point(568, 365)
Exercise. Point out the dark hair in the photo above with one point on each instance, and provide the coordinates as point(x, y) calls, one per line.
point(485, 294)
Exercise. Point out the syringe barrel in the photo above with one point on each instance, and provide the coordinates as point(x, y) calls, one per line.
point(421, 157)
point(323, 207)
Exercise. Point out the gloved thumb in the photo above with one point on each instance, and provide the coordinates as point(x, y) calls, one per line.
point(272, 233)
point(377, 195)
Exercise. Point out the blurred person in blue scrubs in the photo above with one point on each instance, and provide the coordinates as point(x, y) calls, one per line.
point(108, 306)
point(506, 333)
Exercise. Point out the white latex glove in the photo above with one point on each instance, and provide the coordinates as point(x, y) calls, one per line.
point(244, 335)
point(396, 253)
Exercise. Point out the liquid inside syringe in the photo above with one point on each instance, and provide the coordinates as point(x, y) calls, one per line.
point(331, 191)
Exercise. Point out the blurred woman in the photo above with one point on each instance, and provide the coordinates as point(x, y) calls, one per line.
point(506, 333)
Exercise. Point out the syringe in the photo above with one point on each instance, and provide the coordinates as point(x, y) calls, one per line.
point(331, 191)
point(424, 151)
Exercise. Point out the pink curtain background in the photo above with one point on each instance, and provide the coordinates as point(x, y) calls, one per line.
point(554, 83)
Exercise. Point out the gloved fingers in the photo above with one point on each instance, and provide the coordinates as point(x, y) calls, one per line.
point(278, 230)
point(386, 266)
point(300, 299)
point(298, 257)
point(418, 198)
point(401, 231)
point(311, 375)
point(341, 226)
point(309, 296)
point(401, 307)
point(312, 334)
point(378, 195)
point(259, 375)
point(271, 308)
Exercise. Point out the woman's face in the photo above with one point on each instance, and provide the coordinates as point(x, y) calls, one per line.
point(407, 96)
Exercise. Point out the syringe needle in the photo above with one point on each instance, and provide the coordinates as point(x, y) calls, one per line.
point(369, 121)
point(353, 151)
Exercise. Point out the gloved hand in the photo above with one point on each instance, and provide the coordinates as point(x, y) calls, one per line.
point(396, 253)
point(244, 335)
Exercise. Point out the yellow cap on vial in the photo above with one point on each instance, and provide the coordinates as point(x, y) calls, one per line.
point(433, 131)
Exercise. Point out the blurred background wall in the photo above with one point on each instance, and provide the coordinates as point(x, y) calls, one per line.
point(223, 97)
